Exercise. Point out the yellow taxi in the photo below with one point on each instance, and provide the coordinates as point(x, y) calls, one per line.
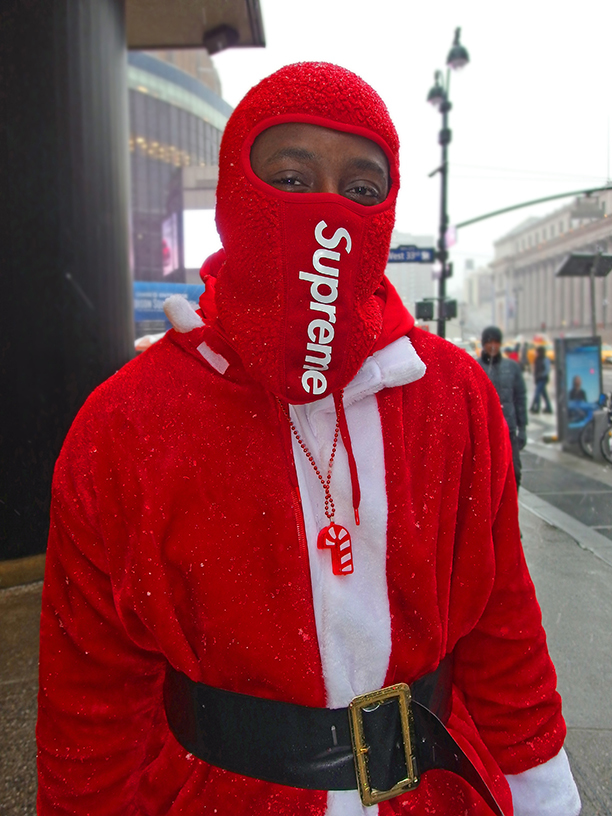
point(540, 340)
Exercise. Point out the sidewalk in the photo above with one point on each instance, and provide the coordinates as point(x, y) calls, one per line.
point(570, 492)
point(20, 613)
point(566, 517)
point(573, 587)
point(571, 565)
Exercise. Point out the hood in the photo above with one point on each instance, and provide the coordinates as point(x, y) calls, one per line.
point(296, 286)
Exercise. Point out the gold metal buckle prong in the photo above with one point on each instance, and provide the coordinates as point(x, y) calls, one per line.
point(370, 795)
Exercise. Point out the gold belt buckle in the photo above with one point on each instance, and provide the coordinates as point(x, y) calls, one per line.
point(370, 795)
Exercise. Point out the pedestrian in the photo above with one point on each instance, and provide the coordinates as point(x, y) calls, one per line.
point(541, 375)
point(507, 377)
point(293, 502)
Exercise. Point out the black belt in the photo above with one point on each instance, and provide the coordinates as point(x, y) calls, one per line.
point(380, 744)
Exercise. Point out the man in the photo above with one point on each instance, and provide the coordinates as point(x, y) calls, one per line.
point(292, 500)
point(508, 380)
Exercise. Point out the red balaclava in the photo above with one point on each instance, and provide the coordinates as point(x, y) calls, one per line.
point(295, 292)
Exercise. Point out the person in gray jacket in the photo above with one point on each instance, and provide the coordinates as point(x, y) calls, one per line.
point(508, 380)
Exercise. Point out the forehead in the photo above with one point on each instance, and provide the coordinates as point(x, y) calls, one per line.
point(315, 143)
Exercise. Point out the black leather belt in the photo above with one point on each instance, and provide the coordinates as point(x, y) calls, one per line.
point(381, 744)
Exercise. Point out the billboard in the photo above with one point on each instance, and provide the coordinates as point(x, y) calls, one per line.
point(579, 384)
point(170, 245)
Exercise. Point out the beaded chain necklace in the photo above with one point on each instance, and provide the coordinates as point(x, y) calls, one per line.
point(334, 537)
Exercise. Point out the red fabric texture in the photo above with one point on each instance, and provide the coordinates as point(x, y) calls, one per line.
point(171, 542)
point(269, 237)
point(396, 319)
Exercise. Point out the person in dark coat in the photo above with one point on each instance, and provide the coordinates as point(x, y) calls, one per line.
point(541, 373)
point(508, 380)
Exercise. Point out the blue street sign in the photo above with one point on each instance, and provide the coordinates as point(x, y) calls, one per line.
point(411, 254)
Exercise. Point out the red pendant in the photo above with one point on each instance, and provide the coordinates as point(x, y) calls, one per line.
point(337, 538)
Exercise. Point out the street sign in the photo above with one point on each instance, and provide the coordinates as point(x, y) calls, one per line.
point(411, 254)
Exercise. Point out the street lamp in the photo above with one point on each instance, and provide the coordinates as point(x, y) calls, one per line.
point(439, 97)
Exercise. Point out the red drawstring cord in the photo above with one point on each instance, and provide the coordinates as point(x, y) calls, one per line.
point(346, 439)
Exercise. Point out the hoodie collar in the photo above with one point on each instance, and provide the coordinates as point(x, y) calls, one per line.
point(396, 364)
point(393, 365)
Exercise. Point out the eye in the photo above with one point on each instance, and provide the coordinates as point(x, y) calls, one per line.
point(364, 193)
point(288, 182)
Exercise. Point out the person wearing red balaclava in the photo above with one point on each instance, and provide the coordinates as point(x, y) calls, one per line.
point(284, 570)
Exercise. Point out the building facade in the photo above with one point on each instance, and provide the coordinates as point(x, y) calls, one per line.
point(477, 306)
point(176, 119)
point(528, 297)
point(413, 281)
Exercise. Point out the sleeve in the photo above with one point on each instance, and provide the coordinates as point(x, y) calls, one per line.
point(546, 790)
point(520, 398)
point(99, 690)
point(502, 665)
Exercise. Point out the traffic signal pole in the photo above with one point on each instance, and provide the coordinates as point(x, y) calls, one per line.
point(444, 139)
point(439, 97)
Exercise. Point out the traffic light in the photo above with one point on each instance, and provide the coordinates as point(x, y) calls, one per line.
point(449, 309)
point(424, 310)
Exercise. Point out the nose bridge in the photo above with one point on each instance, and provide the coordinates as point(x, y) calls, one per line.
point(328, 180)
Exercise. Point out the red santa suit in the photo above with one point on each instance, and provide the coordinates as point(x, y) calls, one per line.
point(184, 533)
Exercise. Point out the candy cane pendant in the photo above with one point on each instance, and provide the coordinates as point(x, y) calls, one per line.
point(337, 538)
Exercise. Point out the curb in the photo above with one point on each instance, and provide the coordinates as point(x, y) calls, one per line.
point(22, 571)
point(584, 536)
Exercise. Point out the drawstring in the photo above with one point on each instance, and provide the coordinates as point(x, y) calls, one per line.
point(346, 439)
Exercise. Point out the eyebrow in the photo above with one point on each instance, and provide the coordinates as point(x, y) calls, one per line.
point(369, 165)
point(291, 153)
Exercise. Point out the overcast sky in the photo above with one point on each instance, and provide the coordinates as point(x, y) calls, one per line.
point(532, 112)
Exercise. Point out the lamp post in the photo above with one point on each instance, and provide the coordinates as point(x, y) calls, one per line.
point(438, 96)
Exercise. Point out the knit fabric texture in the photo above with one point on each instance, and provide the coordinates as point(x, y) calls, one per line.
point(263, 229)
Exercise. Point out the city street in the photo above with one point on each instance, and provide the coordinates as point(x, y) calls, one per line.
point(164, 155)
point(566, 520)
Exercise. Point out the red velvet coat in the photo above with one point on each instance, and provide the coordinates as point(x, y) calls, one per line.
point(176, 539)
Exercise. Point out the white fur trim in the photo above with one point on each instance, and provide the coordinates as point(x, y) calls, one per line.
point(181, 314)
point(399, 363)
point(217, 361)
point(546, 790)
point(396, 364)
point(352, 612)
point(348, 803)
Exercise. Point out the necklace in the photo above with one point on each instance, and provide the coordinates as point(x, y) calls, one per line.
point(334, 537)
